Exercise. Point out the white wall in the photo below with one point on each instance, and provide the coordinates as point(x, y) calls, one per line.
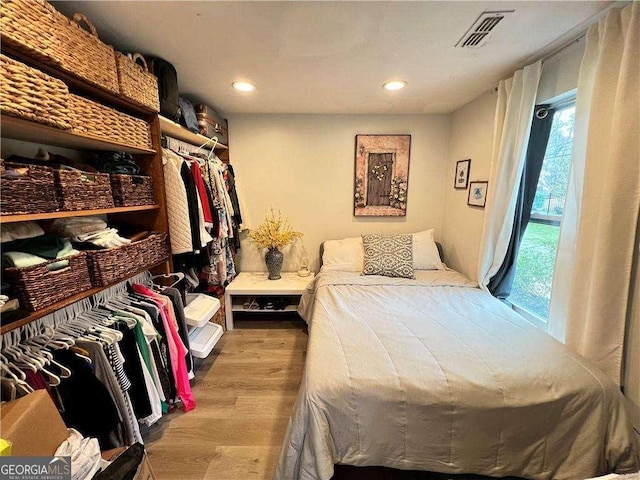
point(304, 166)
point(471, 137)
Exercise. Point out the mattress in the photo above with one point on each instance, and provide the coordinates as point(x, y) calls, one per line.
point(434, 374)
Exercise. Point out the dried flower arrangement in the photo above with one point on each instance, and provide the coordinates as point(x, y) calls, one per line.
point(398, 195)
point(274, 233)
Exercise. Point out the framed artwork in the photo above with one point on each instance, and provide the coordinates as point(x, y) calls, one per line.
point(463, 167)
point(477, 194)
point(381, 182)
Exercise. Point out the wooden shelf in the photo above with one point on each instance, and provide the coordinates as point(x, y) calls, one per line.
point(68, 301)
point(19, 129)
point(77, 85)
point(73, 213)
point(178, 132)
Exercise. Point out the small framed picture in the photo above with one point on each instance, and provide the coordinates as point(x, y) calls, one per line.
point(477, 194)
point(462, 174)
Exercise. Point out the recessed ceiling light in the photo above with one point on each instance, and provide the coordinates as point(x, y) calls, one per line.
point(395, 85)
point(244, 86)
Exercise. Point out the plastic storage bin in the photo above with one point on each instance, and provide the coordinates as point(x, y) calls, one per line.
point(203, 339)
point(200, 309)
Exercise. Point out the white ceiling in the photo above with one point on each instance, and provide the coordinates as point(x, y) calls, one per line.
point(332, 57)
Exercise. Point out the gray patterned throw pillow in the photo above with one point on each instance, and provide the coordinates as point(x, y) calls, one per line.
point(388, 255)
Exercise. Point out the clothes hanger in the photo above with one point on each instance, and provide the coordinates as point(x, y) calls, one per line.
point(19, 359)
point(166, 277)
point(5, 366)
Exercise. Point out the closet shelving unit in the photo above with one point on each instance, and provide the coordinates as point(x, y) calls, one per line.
point(147, 217)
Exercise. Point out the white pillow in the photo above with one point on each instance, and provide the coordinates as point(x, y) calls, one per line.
point(425, 252)
point(345, 255)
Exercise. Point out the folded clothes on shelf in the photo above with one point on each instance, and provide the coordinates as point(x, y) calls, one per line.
point(36, 250)
point(19, 231)
point(73, 227)
point(106, 238)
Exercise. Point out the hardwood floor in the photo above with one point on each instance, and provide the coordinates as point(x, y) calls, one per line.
point(244, 394)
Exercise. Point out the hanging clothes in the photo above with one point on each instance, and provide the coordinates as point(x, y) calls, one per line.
point(202, 194)
point(81, 396)
point(177, 204)
point(177, 350)
point(176, 299)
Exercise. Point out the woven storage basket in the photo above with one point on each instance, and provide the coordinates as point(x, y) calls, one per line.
point(219, 317)
point(32, 192)
point(30, 27)
point(114, 264)
point(132, 190)
point(36, 287)
point(84, 55)
point(83, 191)
point(32, 95)
point(136, 83)
point(95, 120)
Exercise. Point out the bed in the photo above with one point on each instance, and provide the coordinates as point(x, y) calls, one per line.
point(434, 374)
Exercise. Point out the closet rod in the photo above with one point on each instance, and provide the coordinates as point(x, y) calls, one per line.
point(180, 145)
point(69, 312)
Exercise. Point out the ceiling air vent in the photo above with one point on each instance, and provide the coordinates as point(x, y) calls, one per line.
point(481, 29)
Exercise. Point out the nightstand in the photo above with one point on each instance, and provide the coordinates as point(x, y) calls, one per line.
point(253, 285)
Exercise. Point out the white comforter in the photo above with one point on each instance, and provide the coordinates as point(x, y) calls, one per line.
point(432, 374)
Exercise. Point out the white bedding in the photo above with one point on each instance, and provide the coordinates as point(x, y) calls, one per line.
point(432, 374)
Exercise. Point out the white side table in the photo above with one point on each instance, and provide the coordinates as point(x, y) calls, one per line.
point(255, 284)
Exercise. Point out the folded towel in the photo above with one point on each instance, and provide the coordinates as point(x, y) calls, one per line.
point(106, 238)
point(24, 259)
point(10, 306)
point(46, 246)
point(72, 227)
point(19, 231)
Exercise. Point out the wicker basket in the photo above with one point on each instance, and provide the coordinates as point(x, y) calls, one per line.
point(33, 192)
point(83, 191)
point(36, 287)
point(30, 27)
point(219, 317)
point(84, 55)
point(32, 95)
point(132, 190)
point(92, 119)
point(136, 83)
point(113, 264)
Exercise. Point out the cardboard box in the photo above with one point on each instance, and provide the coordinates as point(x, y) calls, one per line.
point(33, 425)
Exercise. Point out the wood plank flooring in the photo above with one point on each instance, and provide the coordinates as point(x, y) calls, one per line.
point(244, 394)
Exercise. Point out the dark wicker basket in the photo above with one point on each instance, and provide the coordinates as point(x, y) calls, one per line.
point(33, 192)
point(83, 191)
point(113, 264)
point(37, 287)
point(132, 190)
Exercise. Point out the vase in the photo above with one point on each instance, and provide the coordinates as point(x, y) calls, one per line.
point(273, 258)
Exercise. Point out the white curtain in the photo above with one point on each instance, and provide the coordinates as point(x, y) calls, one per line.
point(514, 113)
point(591, 290)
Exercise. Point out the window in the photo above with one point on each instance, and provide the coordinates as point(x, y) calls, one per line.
point(531, 289)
